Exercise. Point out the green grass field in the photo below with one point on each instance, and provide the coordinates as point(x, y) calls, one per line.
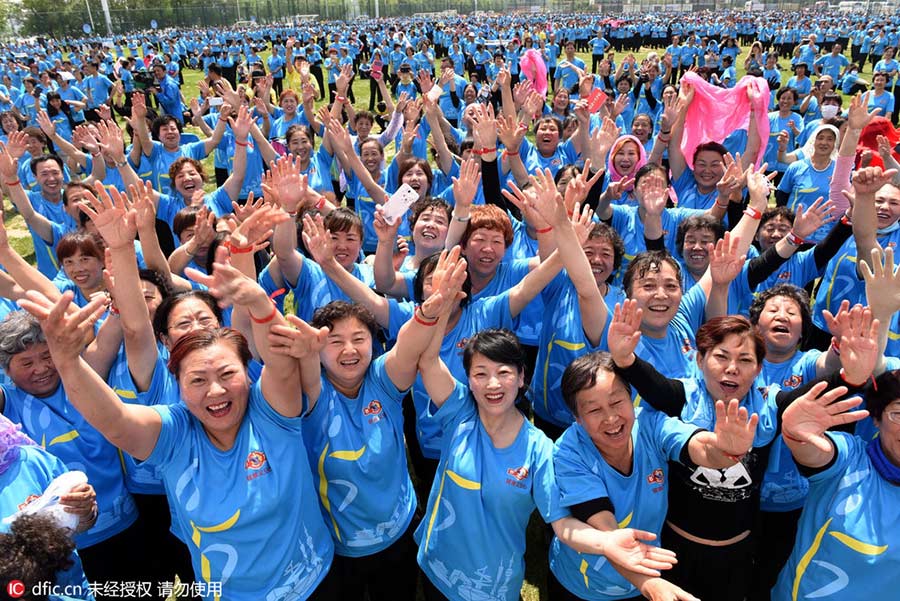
point(534, 588)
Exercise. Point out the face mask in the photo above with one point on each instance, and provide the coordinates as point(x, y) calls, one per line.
point(829, 111)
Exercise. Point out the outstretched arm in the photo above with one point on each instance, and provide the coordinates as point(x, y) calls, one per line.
point(133, 428)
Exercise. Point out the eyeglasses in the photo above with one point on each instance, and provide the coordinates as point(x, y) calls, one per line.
point(893, 416)
point(207, 321)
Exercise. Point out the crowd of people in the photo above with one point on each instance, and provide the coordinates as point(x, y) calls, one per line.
point(652, 300)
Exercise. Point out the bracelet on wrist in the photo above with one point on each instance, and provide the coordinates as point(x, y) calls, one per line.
point(421, 318)
point(793, 239)
point(851, 384)
point(545, 230)
point(238, 250)
point(511, 153)
point(15, 183)
point(835, 347)
point(462, 219)
point(735, 458)
point(267, 318)
point(239, 143)
point(753, 213)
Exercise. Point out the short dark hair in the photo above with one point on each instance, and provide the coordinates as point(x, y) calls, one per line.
point(715, 331)
point(650, 261)
point(712, 147)
point(336, 311)
point(38, 161)
point(497, 344)
point(581, 374)
point(885, 391)
point(700, 221)
point(798, 295)
point(161, 318)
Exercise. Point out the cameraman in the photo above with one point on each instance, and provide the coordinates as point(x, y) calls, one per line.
point(167, 93)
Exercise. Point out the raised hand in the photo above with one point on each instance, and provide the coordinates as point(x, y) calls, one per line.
point(654, 194)
point(882, 283)
point(15, 144)
point(227, 284)
point(384, 229)
point(511, 132)
point(724, 262)
point(806, 420)
point(858, 115)
point(759, 186)
point(582, 222)
point(578, 187)
point(859, 347)
point(466, 185)
point(142, 202)
point(47, 126)
point(869, 180)
point(241, 125)
point(735, 429)
point(138, 106)
point(617, 188)
point(8, 165)
point(242, 212)
point(112, 215)
point(807, 221)
point(302, 341)
point(317, 239)
point(285, 184)
point(624, 332)
point(67, 332)
point(446, 284)
point(111, 141)
point(602, 141)
point(254, 231)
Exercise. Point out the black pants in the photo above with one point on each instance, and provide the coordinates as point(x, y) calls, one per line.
point(424, 468)
point(389, 575)
point(316, 71)
point(117, 559)
point(595, 60)
point(720, 573)
point(775, 534)
point(433, 594)
point(155, 521)
point(278, 85)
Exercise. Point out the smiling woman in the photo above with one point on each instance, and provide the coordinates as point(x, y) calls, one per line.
point(712, 512)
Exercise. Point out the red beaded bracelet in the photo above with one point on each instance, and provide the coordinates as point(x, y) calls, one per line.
point(239, 143)
point(15, 183)
point(546, 230)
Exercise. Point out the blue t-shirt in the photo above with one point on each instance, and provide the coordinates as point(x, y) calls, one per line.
point(783, 488)
point(639, 499)
point(675, 356)
point(314, 289)
point(472, 538)
point(845, 546)
point(689, 197)
point(804, 184)
point(236, 506)
point(25, 480)
point(489, 312)
point(358, 460)
point(562, 341)
point(54, 424)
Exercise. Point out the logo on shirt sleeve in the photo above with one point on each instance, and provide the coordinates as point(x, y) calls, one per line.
point(257, 465)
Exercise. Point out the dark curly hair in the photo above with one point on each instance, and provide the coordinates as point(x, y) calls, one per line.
point(34, 550)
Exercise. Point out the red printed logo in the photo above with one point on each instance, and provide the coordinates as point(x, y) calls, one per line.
point(15, 589)
point(519, 473)
point(794, 381)
point(373, 408)
point(656, 477)
point(255, 460)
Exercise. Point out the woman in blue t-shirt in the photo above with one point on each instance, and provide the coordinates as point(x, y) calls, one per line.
point(604, 463)
point(230, 454)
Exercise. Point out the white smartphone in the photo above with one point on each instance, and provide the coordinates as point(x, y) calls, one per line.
point(399, 202)
point(216, 101)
